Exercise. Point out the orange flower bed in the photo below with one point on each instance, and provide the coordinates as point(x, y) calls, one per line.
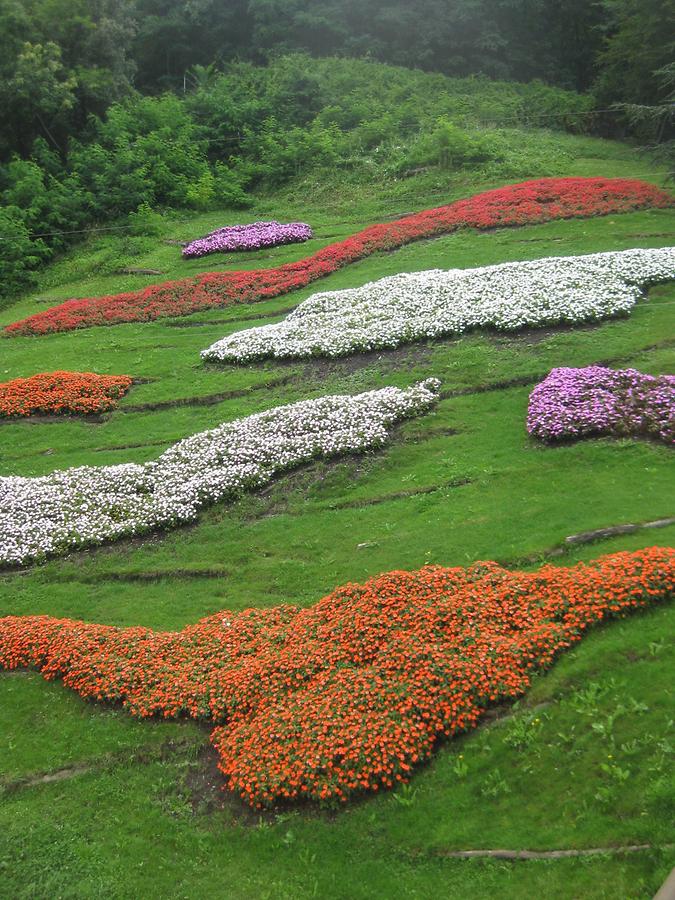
point(62, 392)
point(348, 695)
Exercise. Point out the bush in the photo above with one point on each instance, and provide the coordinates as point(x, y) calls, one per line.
point(450, 147)
point(21, 254)
point(254, 126)
point(145, 222)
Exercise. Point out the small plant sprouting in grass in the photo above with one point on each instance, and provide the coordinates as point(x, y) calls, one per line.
point(494, 785)
point(586, 700)
point(663, 752)
point(605, 726)
point(616, 777)
point(306, 857)
point(614, 771)
point(655, 647)
point(630, 748)
point(460, 767)
point(405, 795)
point(523, 731)
point(604, 794)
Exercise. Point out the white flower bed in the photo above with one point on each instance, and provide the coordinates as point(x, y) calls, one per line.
point(410, 307)
point(89, 505)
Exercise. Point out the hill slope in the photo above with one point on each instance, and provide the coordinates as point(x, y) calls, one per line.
point(106, 806)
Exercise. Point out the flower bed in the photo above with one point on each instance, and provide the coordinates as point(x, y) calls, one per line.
point(413, 306)
point(518, 204)
point(62, 392)
point(351, 694)
point(92, 504)
point(573, 403)
point(248, 237)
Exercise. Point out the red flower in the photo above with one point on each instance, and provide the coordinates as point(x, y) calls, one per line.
point(518, 204)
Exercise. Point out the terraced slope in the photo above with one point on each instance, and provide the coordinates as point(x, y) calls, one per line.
point(105, 806)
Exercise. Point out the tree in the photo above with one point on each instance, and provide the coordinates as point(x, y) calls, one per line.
point(38, 97)
point(638, 44)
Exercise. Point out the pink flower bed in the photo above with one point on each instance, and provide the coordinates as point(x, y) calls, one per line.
point(572, 403)
point(248, 237)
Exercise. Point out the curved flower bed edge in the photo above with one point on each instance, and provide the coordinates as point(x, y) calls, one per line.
point(347, 696)
point(529, 202)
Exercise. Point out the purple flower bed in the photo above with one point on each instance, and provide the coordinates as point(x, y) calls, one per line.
point(248, 237)
point(571, 403)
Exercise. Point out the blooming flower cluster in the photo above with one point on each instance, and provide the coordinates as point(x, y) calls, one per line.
point(348, 695)
point(248, 237)
point(519, 204)
point(62, 392)
point(412, 306)
point(92, 504)
point(572, 403)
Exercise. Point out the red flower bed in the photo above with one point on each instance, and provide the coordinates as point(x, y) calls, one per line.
point(62, 392)
point(350, 694)
point(519, 204)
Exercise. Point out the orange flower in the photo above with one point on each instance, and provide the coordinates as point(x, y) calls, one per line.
point(350, 694)
point(62, 392)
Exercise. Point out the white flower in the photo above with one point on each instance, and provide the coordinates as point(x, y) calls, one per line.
point(89, 505)
point(418, 305)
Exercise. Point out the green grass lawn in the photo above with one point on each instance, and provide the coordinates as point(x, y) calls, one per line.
point(581, 762)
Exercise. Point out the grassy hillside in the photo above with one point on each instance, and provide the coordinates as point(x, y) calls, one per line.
point(94, 804)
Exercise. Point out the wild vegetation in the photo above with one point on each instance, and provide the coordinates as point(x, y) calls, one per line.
point(115, 109)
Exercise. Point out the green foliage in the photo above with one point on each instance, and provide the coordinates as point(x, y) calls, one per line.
point(450, 147)
point(253, 128)
point(147, 150)
point(145, 221)
point(275, 153)
point(60, 60)
point(20, 254)
point(639, 42)
point(36, 98)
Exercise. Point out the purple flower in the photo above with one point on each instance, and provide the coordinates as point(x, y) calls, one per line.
point(571, 403)
point(248, 237)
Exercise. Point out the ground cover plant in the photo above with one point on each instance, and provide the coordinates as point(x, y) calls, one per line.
point(62, 392)
point(573, 403)
point(541, 200)
point(89, 505)
point(248, 237)
point(350, 694)
point(413, 306)
point(94, 802)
